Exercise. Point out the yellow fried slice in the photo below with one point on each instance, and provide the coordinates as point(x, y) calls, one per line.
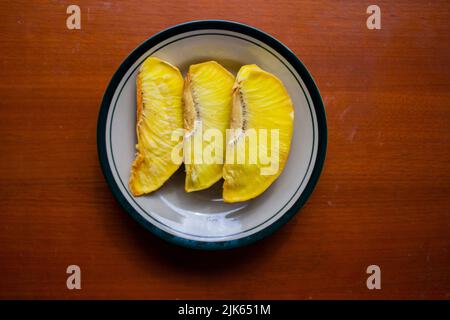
point(207, 105)
point(159, 113)
point(260, 103)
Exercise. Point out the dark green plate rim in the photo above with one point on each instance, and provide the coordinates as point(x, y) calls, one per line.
point(245, 30)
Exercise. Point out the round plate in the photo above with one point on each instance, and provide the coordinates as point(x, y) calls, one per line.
point(201, 219)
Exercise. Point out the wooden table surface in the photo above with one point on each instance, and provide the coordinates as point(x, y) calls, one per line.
point(383, 197)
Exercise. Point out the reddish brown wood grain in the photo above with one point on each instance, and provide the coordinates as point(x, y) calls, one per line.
point(383, 197)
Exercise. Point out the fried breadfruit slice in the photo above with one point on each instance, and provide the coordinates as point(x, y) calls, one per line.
point(159, 113)
point(260, 102)
point(207, 105)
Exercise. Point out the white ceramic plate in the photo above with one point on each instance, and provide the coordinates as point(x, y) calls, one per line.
point(201, 219)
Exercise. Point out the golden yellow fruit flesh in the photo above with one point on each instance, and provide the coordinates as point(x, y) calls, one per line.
point(260, 103)
point(159, 113)
point(207, 105)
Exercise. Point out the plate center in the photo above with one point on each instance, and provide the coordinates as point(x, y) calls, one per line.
point(204, 202)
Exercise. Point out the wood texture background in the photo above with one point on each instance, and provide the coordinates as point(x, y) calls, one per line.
point(383, 197)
